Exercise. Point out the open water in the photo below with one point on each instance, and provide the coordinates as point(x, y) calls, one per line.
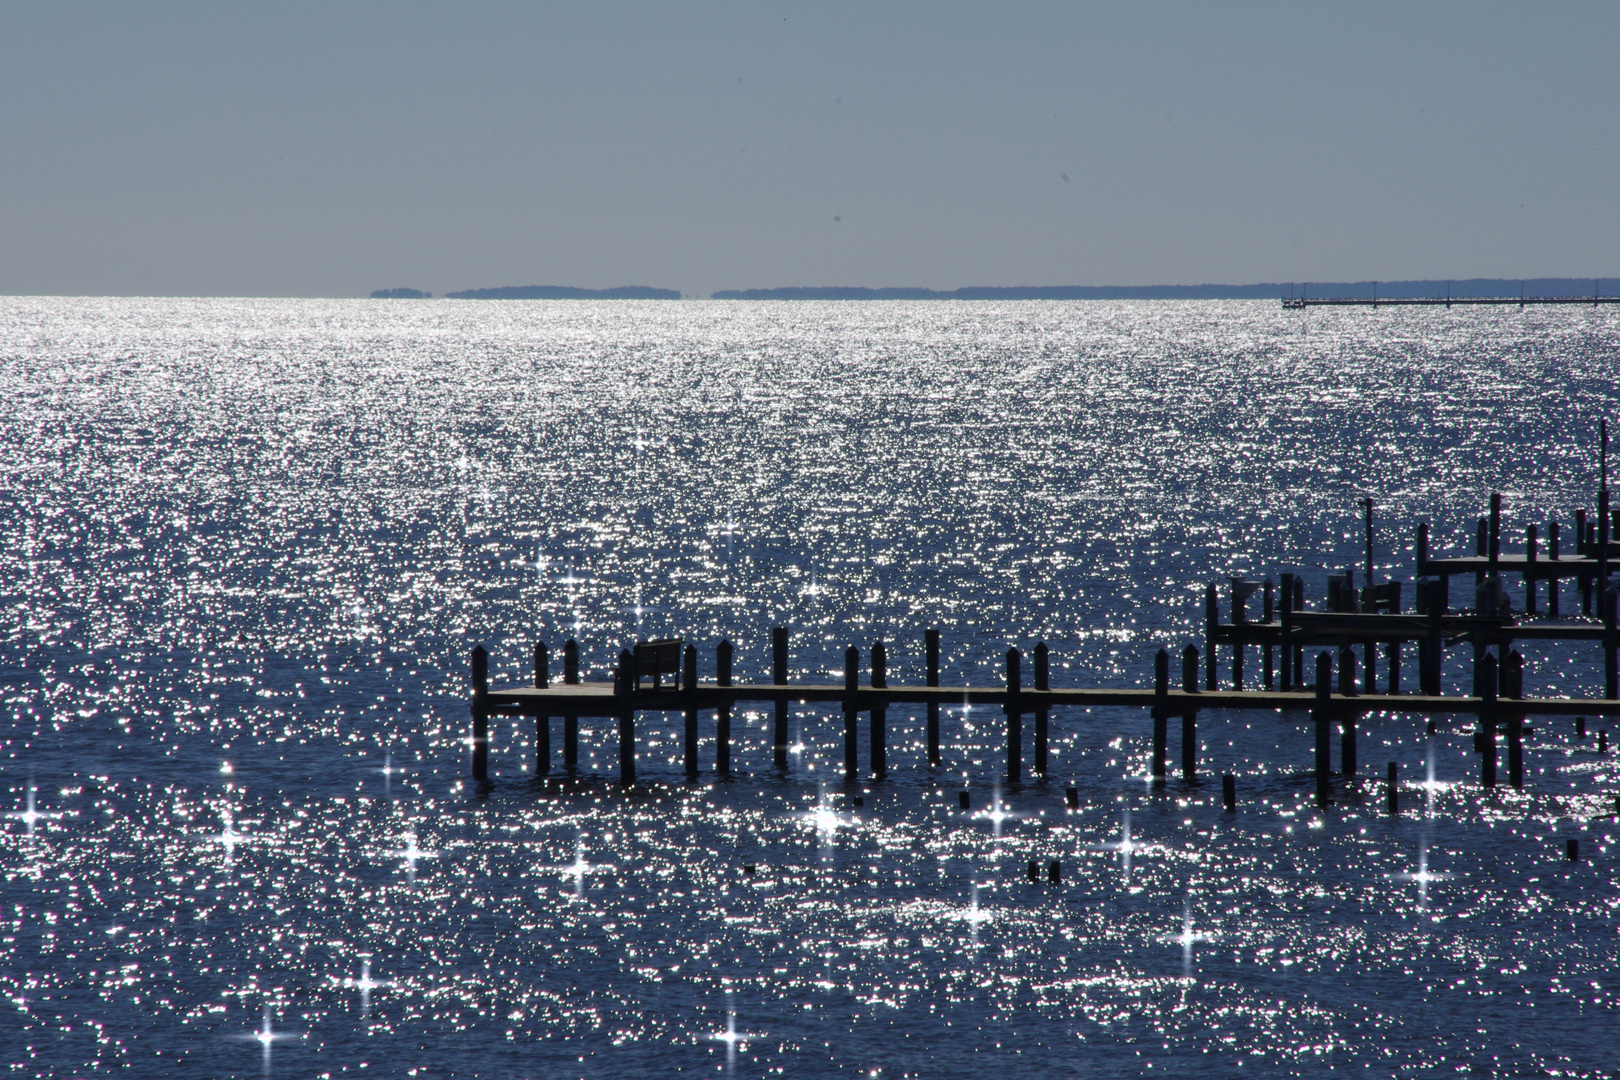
point(247, 546)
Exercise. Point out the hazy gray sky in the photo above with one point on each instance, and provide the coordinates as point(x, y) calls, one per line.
point(330, 149)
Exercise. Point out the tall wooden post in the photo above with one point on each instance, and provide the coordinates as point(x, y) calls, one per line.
point(1432, 652)
point(1015, 718)
point(1514, 669)
point(1496, 532)
point(779, 676)
point(931, 651)
point(690, 713)
point(1287, 633)
point(1240, 618)
point(1267, 673)
point(1553, 581)
point(1212, 620)
point(1487, 719)
point(1321, 718)
point(542, 721)
point(1529, 569)
point(880, 717)
point(1189, 716)
point(1611, 639)
point(571, 720)
point(1043, 714)
point(1299, 650)
point(722, 712)
point(1347, 687)
point(852, 679)
point(625, 685)
point(1422, 549)
point(1161, 709)
point(480, 714)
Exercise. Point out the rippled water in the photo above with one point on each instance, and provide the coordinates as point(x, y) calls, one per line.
point(248, 545)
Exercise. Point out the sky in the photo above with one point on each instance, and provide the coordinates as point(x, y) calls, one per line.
point(330, 149)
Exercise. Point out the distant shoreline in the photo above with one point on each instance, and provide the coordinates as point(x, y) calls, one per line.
point(1436, 288)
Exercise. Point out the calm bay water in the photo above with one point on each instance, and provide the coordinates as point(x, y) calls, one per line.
point(248, 545)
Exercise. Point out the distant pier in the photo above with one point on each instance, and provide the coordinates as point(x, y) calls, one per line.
point(1294, 303)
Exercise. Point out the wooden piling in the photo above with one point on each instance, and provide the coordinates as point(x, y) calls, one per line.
point(571, 720)
point(1042, 715)
point(880, 725)
point(1347, 687)
point(1572, 849)
point(542, 722)
point(1432, 649)
point(1611, 674)
point(1514, 688)
point(1487, 720)
point(1530, 538)
point(1321, 719)
point(722, 713)
point(1287, 633)
point(1299, 650)
point(1015, 717)
point(625, 686)
point(852, 679)
point(1229, 791)
point(1496, 531)
point(779, 676)
point(1267, 672)
point(1392, 793)
point(690, 712)
point(1161, 707)
point(931, 658)
point(480, 714)
point(1552, 556)
point(1189, 718)
point(1212, 616)
point(1392, 659)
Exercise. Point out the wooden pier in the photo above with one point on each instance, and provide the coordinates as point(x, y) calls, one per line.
point(1334, 696)
point(1297, 303)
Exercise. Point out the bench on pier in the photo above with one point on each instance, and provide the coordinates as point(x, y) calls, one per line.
point(655, 659)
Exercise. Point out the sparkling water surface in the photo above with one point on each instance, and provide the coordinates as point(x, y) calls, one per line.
point(249, 544)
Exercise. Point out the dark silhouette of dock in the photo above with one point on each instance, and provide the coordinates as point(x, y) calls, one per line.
point(1341, 690)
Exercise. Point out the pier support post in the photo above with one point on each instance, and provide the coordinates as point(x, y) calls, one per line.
point(931, 655)
point(571, 720)
point(1299, 650)
point(1189, 718)
point(1553, 581)
point(722, 712)
point(626, 686)
point(1611, 674)
point(1267, 663)
point(1043, 715)
point(1392, 657)
point(1486, 689)
point(880, 712)
point(1287, 633)
point(1529, 569)
point(690, 713)
point(1212, 620)
point(1015, 717)
point(480, 714)
point(1432, 649)
point(1321, 719)
point(1392, 793)
point(779, 676)
point(1513, 687)
point(1161, 709)
point(542, 722)
point(852, 677)
point(1347, 687)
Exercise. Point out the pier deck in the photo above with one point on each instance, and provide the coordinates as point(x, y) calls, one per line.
point(598, 699)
